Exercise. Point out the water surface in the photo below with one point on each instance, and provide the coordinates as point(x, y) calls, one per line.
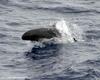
point(20, 60)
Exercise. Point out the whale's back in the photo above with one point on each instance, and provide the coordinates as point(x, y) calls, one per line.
point(37, 34)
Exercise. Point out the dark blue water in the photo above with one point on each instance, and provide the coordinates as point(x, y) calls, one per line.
point(25, 60)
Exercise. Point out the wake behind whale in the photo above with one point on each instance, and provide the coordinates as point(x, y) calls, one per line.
point(61, 31)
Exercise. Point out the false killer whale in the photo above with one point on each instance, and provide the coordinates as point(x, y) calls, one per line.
point(57, 30)
point(41, 33)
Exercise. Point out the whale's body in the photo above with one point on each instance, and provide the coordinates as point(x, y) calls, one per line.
point(37, 34)
point(58, 29)
point(41, 33)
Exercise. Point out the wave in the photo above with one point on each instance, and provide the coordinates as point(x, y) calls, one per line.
point(46, 5)
point(92, 35)
point(70, 74)
point(65, 9)
point(4, 2)
point(62, 9)
point(69, 8)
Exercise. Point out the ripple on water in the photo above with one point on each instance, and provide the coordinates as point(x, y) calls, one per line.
point(48, 50)
point(92, 35)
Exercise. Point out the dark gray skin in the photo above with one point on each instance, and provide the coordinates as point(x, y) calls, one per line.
point(41, 33)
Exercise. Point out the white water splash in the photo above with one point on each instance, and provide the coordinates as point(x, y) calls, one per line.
point(68, 32)
point(64, 30)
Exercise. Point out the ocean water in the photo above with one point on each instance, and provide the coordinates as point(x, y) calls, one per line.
point(25, 60)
